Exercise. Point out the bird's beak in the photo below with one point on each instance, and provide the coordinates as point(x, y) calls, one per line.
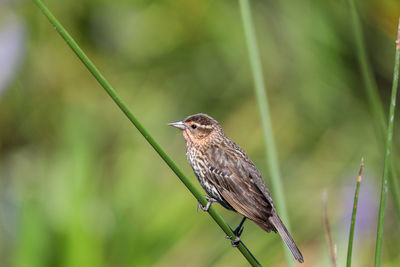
point(178, 124)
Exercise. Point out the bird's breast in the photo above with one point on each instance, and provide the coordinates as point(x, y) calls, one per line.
point(198, 161)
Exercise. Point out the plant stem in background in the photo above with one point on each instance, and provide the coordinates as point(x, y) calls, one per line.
point(378, 249)
point(272, 159)
point(374, 100)
point(103, 82)
point(353, 217)
point(327, 227)
point(366, 71)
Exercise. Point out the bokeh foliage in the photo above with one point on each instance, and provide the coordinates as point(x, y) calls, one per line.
point(80, 187)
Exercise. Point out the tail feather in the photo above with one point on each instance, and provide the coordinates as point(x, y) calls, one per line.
point(284, 233)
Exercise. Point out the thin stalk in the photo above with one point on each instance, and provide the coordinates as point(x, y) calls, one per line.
point(111, 92)
point(327, 227)
point(259, 87)
point(366, 71)
point(378, 250)
point(353, 217)
point(374, 100)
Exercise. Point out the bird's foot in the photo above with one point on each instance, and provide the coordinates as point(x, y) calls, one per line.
point(238, 231)
point(208, 205)
point(235, 242)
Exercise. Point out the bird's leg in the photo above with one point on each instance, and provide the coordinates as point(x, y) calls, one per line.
point(238, 232)
point(207, 207)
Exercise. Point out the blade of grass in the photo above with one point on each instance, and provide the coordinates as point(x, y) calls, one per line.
point(272, 159)
point(374, 100)
point(353, 217)
point(327, 227)
point(366, 71)
point(378, 249)
point(111, 92)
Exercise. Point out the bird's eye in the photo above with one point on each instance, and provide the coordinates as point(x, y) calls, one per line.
point(194, 126)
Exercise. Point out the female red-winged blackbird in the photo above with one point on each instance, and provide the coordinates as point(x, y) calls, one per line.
point(229, 176)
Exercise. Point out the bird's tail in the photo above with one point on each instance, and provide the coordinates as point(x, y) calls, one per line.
point(284, 233)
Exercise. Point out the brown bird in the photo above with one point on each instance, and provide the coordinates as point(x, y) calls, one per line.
point(229, 177)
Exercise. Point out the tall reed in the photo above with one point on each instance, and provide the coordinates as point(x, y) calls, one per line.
point(374, 100)
point(388, 154)
point(261, 96)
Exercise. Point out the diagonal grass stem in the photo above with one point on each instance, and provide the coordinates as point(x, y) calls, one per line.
point(112, 93)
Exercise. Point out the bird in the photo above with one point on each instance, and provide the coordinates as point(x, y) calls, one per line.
point(230, 178)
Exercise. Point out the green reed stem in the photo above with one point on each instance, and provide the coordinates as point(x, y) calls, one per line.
point(353, 216)
point(111, 92)
point(378, 249)
point(272, 158)
point(374, 100)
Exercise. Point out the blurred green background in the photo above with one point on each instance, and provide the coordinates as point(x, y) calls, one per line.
point(79, 186)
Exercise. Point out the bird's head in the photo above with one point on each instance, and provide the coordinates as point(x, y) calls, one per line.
point(198, 128)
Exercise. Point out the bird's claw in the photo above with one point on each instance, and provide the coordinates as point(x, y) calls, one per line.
point(208, 205)
point(235, 243)
point(204, 208)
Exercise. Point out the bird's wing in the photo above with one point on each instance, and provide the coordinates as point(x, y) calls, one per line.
point(239, 182)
